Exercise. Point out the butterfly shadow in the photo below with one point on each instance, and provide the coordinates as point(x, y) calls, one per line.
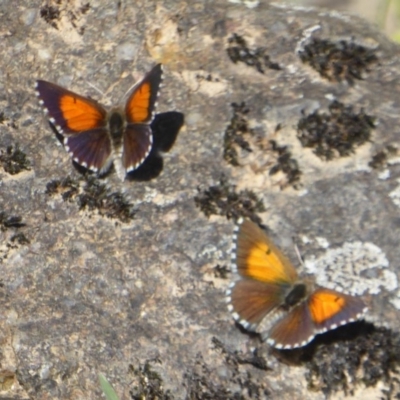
point(165, 128)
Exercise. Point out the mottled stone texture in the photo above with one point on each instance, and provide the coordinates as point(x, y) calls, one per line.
point(141, 299)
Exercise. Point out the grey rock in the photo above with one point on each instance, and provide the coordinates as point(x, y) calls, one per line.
point(140, 300)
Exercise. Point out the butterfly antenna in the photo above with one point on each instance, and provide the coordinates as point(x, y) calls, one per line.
point(296, 248)
point(130, 89)
point(96, 88)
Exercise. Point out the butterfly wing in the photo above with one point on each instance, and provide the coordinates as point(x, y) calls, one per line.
point(324, 310)
point(139, 111)
point(250, 302)
point(295, 329)
point(255, 256)
point(81, 121)
point(91, 149)
point(141, 103)
point(263, 278)
point(68, 111)
point(330, 309)
point(137, 145)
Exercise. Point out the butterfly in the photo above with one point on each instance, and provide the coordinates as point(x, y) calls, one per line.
point(268, 297)
point(94, 136)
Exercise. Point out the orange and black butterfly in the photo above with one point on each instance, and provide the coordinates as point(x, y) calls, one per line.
point(267, 296)
point(96, 137)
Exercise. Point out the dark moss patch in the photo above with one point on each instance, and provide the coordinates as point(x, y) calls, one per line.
point(235, 134)
point(202, 383)
point(237, 357)
point(67, 188)
point(372, 357)
point(19, 238)
point(85, 8)
point(14, 160)
point(238, 51)
point(221, 199)
point(149, 384)
point(93, 195)
point(338, 61)
point(50, 14)
point(221, 271)
point(379, 160)
point(10, 221)
point(286, 164)
point(337, 133)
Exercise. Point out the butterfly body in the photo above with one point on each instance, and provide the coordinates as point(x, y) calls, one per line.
point(268, 297)
point(95, 136)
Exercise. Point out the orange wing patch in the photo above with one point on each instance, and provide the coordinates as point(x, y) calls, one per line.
point(138, 107)
point(325, 304)
point(80, 115)
point(257, 257)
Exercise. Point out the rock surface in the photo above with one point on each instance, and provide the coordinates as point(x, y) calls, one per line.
point(133, 286)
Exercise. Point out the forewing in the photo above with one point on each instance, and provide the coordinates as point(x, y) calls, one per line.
point(251, 301)
point(141, 103)
point(256, 256)
point(68, 111)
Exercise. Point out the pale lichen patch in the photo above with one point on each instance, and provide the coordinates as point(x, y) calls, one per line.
point(356, 267)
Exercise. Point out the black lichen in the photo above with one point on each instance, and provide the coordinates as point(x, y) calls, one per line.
point(10, 221)
point(67, 188)
point(20, 238)
point(221, 199)
point(338, 61)
point(237, 357)
point(372, 357)
point(380, 159)
point(93, 195)
point(149, 384)
point(238, 51)
point(14, 160)
point(221, 271)
point(235, 134)
point(337, 133)
point(202, 383)
point(50, 14)
point(85, 8)
point(286, 164)
point(110, 204)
